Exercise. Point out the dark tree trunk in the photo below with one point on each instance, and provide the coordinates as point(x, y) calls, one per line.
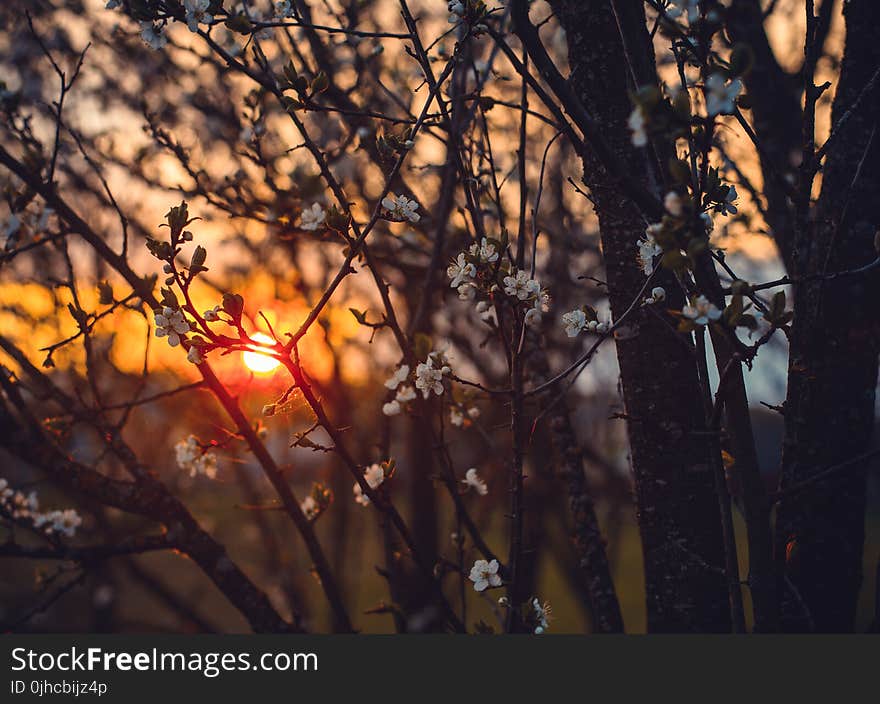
point(678, 511)
point(832, 378)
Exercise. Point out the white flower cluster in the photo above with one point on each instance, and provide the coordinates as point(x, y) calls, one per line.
point(576, 321)
point(374, 475)
point(470, 274)
point(430, 373)
point(405, 392)
point(195, 460)
point(170, 323)
point(401, 208)
point(459, 415)
point(485, 574)
point(648, 248)
point(701, 310)
point(463, 269)
point(521, 286)
point(720, 95)
point(26, 507)
point(473, 481)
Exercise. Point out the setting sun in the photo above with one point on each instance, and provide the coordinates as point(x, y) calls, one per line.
point(258, 362)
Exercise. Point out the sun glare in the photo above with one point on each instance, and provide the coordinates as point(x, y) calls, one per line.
point(257, 362)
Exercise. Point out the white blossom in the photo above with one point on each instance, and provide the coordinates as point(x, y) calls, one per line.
point(720, 95)
point(673, 204)
point(374, 475)
point(575, 321)
point(701, 311)
point(461, 271)
point(194, 355)
point(430, 378)
point(456, 11)
point(485, 311)
point(310, 508)
point(152, 35)
point(212, 315)
point(467, 292)
point(171, 323)
point(23, 505)
point(484, 251)
point(196, 13)
point(541, 305)
point(65, 521)
point(456, 417)
point(26, 507)
point(399, 376)
point(284, 9)
point(484, 575)
point(401, 207)
point(359, 495)
point(312, 218)
point(405, 394)
point(728, 207)
point(637, 124)
point(193, 459)
point(392, 408)
point(648, 248)
point(473, 481)
point(521, 285)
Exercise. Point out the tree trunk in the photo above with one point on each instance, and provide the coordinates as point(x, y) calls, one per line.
point(832, 376)
point(678, 513)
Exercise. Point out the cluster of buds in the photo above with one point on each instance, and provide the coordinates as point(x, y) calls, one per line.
point(180, 322)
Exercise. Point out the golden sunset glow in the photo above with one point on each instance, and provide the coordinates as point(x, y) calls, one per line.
point(257, 362)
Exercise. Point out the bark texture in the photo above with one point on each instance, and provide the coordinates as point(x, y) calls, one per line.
point(832, 377)
point(678, 511)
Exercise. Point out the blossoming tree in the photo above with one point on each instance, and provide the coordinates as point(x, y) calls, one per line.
point(408, 251)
